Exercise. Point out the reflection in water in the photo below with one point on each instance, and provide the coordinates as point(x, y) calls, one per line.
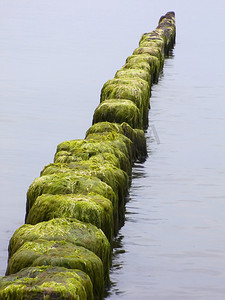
point(117, 264)
point(119, 247)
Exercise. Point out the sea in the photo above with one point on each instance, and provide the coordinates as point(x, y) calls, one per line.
point(55, 57)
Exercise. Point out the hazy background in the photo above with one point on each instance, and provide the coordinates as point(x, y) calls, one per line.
point(55, 57)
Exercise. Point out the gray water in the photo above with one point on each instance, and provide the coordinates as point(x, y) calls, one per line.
point(55, 57)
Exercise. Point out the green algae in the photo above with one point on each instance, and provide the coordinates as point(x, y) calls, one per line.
point(104, 158)
point(67, 183)
point(153, 62)
point(71, 230)
point(128, 92)
point(143, 58)
point(77, 150)
point(137, 136)
point(59, 254)
point(138, 65)
point(153, 51)
point(158, 44)
point(47, 282)
point(91, 208)
point(103, 127)
point(167, 29)
point(152, 39)
point(117, 140)
point(116, 178)
point(118, 111)
point(167, 33)
point(134, 73)
point(137, 83)
point(153, 36)
point(134, 89)
point(131, 84)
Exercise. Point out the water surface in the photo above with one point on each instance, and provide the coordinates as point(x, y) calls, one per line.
point(55, 57)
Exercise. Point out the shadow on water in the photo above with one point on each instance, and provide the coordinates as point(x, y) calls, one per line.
point(119, 247)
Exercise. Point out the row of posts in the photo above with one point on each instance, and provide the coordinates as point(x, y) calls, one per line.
point(76, 206)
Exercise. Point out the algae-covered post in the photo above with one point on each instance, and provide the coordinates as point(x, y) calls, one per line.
point(38, 282)
point(74, 208)
point(92, 208)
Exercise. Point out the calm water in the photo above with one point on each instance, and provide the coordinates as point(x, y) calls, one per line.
point(55, 57)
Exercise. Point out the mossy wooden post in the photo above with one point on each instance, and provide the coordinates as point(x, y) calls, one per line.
point(91, 208)
point(77, 150)
point(68, 183)
point(47, 282)
point(59, 254)
point(69, 230)
point(135, 135)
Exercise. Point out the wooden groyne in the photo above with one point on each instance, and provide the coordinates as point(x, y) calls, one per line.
point(75, 207)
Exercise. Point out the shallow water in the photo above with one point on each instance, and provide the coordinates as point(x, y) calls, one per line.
point(56, 56)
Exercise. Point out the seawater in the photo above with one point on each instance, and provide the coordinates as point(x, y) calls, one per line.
point(55, 58)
